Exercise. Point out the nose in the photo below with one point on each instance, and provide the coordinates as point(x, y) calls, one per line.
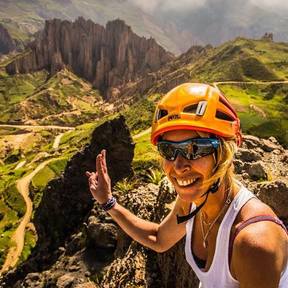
point(181, 165)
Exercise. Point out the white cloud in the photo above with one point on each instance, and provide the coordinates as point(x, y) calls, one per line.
point(270, 3)
point(151, 6)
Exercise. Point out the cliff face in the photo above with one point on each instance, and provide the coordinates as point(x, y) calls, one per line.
point(169, 76)
point(107, 57)
point(6, 42)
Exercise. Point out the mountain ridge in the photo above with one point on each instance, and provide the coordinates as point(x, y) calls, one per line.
point(107, 57)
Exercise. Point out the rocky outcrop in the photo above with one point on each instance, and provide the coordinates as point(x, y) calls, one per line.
point(67, 201)
point(7, 44)
point(108, 56)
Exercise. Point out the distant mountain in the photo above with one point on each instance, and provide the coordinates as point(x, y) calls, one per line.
point(23, 18)
point(238, 60)
point(217, 21)
point(108, 57)
point(174, 26)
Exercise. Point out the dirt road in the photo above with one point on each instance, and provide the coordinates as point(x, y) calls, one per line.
point(142, 133)
point(19, 235)
point(57, 141)
point(37, 127)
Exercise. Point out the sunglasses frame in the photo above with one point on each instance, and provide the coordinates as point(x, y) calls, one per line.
point(213, 143)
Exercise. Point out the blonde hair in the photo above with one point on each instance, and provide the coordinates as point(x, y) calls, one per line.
point(224, 168)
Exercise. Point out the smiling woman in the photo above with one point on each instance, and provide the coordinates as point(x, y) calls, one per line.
point(232, 238)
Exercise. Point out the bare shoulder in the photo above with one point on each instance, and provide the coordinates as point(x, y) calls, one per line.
point(260, 249)
point(270, 230)
point(254, 207)
point(260, 254)
point(263, 236)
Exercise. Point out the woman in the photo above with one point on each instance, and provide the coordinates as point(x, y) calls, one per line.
point(232, 238)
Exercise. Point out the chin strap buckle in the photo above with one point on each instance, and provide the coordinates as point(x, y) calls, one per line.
point(214, 187)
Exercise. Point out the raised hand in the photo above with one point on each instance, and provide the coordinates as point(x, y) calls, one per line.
point(99, 181)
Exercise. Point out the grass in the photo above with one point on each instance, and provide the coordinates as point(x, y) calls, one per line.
point(29, 243)
point(5, 244)
point(242, 60)
point(125, 185)
point(155, 176)
point(16, 88)
point(12, 206)
point(145, 155)
point(139, 115)
point(250, 100)
point(54, 97)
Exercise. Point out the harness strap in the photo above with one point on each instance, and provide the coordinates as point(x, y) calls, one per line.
point(252, 220)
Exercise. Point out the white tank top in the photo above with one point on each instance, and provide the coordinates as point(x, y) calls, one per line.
point(219, 275)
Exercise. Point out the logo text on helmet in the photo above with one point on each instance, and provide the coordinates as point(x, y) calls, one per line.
point(173, 117)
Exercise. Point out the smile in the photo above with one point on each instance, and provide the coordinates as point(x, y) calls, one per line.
point(184, 183)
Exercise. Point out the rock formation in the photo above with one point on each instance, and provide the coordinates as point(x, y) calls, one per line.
point(7, 44)
point(166, 78)
point(107, 57)
point(101, 251)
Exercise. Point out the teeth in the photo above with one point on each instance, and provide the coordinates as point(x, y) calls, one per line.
point(185, 182)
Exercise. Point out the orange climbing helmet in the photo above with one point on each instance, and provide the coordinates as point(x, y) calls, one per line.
point(195, 106)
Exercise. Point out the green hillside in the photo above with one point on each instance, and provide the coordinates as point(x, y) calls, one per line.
point(38, 99)
point(243, 60)
point(261, 108)
point(263, 67)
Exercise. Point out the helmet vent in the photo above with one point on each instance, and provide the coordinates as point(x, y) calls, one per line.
point(224, 116)
point(161, 113)
point(191, 109)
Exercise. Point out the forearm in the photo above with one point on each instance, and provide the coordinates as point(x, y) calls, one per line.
point(140, 230)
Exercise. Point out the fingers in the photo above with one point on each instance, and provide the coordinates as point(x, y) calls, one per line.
point(93, 175)
point(101, 166)
point(103, 153)
point(93, 183)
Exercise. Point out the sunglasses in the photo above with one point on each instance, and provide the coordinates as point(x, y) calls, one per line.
point(190, 149)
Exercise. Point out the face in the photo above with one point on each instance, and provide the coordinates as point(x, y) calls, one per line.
point(187, 176)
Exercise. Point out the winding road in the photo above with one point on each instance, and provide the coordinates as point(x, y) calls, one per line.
point(32, 127)
point(19, 235)
point(142, 133)
point(22, 185)
point(215, 84)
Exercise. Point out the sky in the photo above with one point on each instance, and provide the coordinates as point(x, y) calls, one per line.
point(151, 6)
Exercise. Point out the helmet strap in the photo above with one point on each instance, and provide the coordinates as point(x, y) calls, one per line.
point(213, 188)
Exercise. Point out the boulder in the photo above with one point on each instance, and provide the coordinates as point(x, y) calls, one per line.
point(284, 159)
point(101, 235)
point(256, 170)
point(247, 155)
point(251, 141)
point(238, 166)
point(274, 194)
point(268, 146)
